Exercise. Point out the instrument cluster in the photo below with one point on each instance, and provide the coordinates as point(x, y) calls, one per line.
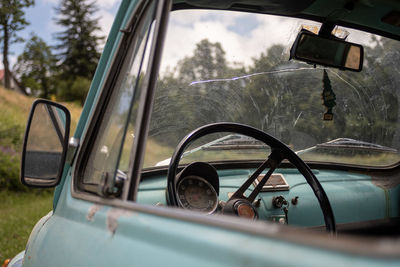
point(198, 188)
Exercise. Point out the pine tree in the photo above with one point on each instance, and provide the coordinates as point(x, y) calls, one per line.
point(12, 20)
point(78, 44)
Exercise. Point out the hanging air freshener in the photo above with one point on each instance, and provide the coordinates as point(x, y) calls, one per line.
point(328, 97)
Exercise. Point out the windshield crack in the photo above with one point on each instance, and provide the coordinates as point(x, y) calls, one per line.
point(251, 75)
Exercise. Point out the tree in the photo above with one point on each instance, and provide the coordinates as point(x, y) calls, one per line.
point(77, 90)
point(78, 44)
point(180, 99)
point(12, 20)
point(35, 67)
point(208, 62)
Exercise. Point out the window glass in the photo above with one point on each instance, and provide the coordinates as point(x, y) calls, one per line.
point(126, 155)
point(235, 67)
point(106, 152)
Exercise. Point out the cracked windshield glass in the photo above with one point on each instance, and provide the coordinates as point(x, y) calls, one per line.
point(234, 67)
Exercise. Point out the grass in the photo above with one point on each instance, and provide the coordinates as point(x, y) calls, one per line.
point(19, 213)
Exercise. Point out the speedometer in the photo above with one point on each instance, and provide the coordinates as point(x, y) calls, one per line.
point(195, 193)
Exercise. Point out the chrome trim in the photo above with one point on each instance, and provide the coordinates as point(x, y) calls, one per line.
point(268, 187)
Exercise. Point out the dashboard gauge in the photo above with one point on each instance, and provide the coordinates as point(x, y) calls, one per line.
point(195, 193)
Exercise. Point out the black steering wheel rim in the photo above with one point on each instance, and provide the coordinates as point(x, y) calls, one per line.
point(257, 134)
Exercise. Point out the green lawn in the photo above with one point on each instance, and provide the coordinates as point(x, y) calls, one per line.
point(19, 212)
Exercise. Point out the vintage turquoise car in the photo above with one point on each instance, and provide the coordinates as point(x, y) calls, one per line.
point(228, 133)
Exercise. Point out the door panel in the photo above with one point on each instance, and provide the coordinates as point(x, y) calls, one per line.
point(82, 233)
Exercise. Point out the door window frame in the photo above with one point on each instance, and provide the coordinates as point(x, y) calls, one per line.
point(160, 19)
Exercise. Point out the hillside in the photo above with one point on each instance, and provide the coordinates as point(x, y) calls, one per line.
point(14, 112)
point(14, 109)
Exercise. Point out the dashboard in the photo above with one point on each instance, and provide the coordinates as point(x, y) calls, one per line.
point(354, 197)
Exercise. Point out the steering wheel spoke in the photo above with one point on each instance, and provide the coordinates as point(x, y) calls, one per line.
point(273, 161)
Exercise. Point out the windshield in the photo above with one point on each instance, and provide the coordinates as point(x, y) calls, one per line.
point(221, 66)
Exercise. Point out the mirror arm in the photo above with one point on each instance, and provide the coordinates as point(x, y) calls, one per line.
point(326, 29)
point(73, 145)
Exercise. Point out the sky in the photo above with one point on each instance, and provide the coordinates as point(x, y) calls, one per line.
point(237, 32)
point(234, 31)
point(242, 36)
point(42, 22)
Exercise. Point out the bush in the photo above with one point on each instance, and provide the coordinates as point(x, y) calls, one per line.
point(11, 134)
point(9, 173)
point(75, 90)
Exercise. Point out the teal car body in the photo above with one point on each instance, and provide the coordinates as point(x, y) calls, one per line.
point(104, 217)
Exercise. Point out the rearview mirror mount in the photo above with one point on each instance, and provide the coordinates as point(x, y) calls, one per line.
point(327, 51)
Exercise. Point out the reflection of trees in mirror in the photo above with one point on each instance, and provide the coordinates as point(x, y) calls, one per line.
point(282, 98)
point(43, 133)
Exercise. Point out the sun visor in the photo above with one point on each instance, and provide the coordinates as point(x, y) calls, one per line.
point(268, 6)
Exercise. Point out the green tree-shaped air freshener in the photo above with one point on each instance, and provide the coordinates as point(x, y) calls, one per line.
point(328, 97)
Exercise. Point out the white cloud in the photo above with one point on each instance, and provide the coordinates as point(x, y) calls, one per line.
point(52, 26)
point(106, 15)
point(12, 59)
point(240, 42)
point(99, 3)
point(105, 21)
point(104, 3)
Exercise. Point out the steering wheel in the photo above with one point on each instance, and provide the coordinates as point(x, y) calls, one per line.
point(279, 152)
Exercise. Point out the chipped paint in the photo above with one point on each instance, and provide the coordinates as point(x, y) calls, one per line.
point(92, 211)
point(112, 218)
point(386, 180)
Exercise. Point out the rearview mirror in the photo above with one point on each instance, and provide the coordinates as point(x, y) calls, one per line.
point(45, 144)
point(327, 51)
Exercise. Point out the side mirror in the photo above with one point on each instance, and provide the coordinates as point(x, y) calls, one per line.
point(45, 144)
point(327, 51)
